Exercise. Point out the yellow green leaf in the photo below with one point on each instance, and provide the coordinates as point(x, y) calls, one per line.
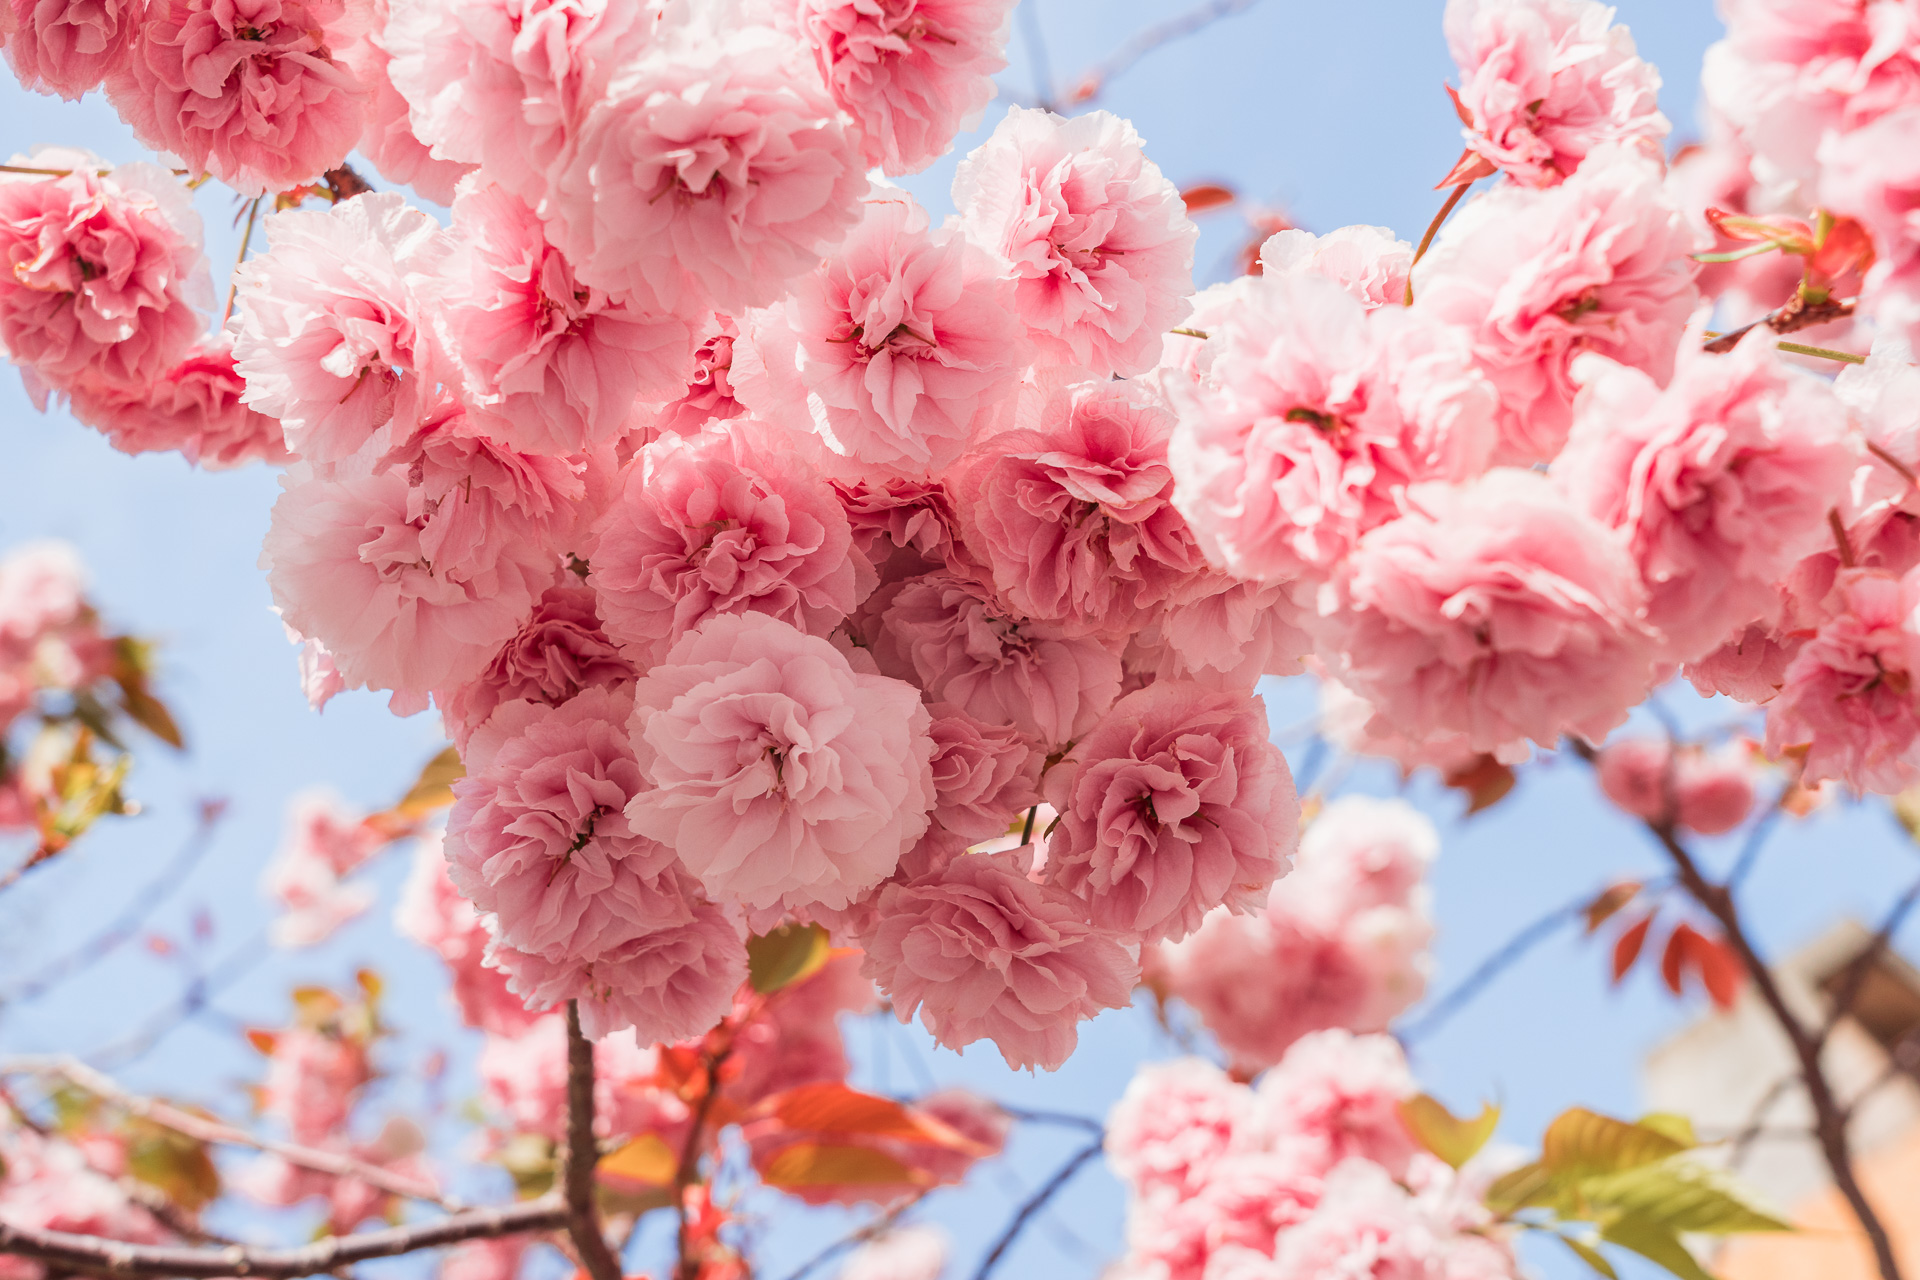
point(1444, 1134)
point(172, 1163)
point(1678, 1195)
point(815, 1164)
point(1529, 1186)
point(786, 956)
point(646, 1159)
point(1581, 1143)
point(1658, 1246)
point(1674, 1125)
point(1589, 1255)
point(1906, 807)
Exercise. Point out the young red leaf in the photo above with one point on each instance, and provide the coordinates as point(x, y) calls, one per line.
point(1626, 948)
point(1609, 902)
point(1719, 968)
point(1676, 957)
point(1459, 107)
point(1206, 196)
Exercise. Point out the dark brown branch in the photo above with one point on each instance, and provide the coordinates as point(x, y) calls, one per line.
point(1795, 315)
point(1033, 1204)
point(1854, 976)
point(95, 1256)
point(578, 1156)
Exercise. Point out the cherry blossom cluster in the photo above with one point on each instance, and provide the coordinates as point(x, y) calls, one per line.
point(1309, 1174)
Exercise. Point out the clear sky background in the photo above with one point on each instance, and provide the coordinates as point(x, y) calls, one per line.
point(1333, 112)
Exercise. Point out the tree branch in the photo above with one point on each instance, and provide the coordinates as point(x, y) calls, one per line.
point(578, 1156)
point(1033, 1204)
point(1854, 976)
point(202, 1129)
point(1195, 20)
point(96, 1256)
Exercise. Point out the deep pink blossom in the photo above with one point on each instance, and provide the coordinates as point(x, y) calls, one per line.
point(432, 913)
point(903, 527)
point(780, 774)
point(248, 90)
point(983, 775)
point(1493, 610)
point(539, 834)
point(1710, 793)
point(1544, 82)
point(795, 1039)
point(1598, 263)
point(1339, 1095)
point(947, 635)
point(1720, 483)
point(912, 73)
point(193, 409)
point(104, 281)
point(893, 350)
point(551, 366)
point(723, 522)
point(980, 951)
point(715, 170)
point(1311, 416)
point(333, 334)
point(70, 46)
point(1097, 240)
point(1174, 804)
point(708, 393)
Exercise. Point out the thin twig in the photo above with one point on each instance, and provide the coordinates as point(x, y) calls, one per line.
point(1823, 353)
point(1756, 840)
point(1149, 39)
point(246, 239)
point(1854, 976)
point(202, 1129)
point(579, 1155)
point(96, 1256)
point(873, 1230)
point(243, 961)
point(1064, 1119)
point(1756, 1120)
point(1433, 229)
point(1033, 1204)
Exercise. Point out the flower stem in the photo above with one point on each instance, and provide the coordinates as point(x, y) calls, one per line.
point(1433, 229)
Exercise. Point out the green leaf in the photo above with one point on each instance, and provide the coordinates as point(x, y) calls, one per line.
point(1530, 1186)
point(1444, 1134)
point(1589, 1255)
point(1657, 1246)
point(1675, 1126)
point(786, 956)
point(1580, 1144)
point(1677, 1195)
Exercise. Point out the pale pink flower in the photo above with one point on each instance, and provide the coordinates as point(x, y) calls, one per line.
point(1710, 793)
point(48, 1184)
point(1598, 263)
point(1370, 263)
point(1338, 1095)
point(539, 834)
point(1173, 1125)
point(485, 1259)
point(43, 588)
point(671, 984)
point(193, 409)
point(551, 366)
point(248, 90)
point(1720, 483)
point(1871, 173)
point(715, 169)
point(1544, 82)
point(1174, 804)
point(905, 1253)
point(70, 46)
point(983, 775)
point(325, 842)
point(320, 680)
point(505, 83)
point(1097, 240)
point(104, 281)
point(525, 1077)
point(903, 527)
point(894, 350)
point(719, 523)
point(1348, 721)
point(781, 775)
point(1075, 517)
point(559, 651)
point(1366, 1225)
point(1227, 1228)
point(980, 951)
point(1749, 667)
point(709, 391)
point(1311, 416)
point(1848, 696)
point(432, 913)
point(1496, 611)
point(311, 1082)
point(333, 335)
point(1224, 633)
point(388, 139)
point(911, 73)
point(947, 635)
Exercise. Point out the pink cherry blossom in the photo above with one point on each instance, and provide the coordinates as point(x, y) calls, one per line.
point(947, 635)
point(1598, 263)
point(1348, 721)
point(70, 46)
point(193, 409)
point(1707, 793)
point(1871, 174)
point(781, 775)
point(539, 835)
point(715, 170)
point(1174, 804)
point(1075, 516)
point(325, 843)
point(525, 1078)
point(709, 391)
point(670, 984)
point(1310, 418)
point(1368, 1224)
point(1096, 238)
point(47, 1184)
point(1496, 611)
point(1721, 482)
point(432, 913)
point(105, 284)
point(1230, 1221)
point(912, 72)
point(795, 1038)
point(505, 83)
point(1848, 695)
point(247, 90)
point(983, 775)
point(1370, 263)
point(1174, 1123)
point(559, 651)
point(902, 527)
point(333, 335)
point(311, 1082)
point(893, 350)
point(1224, 633)
point(1339, 1094)
point(551, 366)
point(718, 523)
point(388, 139)
point(1544, 82)
point(980, 951)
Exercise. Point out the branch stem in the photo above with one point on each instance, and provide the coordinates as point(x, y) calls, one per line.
point(1433, 229)
point(579, 1156)
point(1034, 1203)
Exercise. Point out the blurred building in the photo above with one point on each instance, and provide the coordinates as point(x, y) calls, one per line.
point(1735, 1075)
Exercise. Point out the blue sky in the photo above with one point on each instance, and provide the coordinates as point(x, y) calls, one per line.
point(1333, 112)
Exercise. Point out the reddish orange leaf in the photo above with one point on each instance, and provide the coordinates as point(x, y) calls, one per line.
point(1790, 234)
point(264, 1041)
point(814, 1164)
point(1206, 196)
point(1459, 107)
point(1719, 968)
point(1486, 782)
point(1626, 949)
point(1847, 247)
point(1470, 166)
point(1673, 960)
point(831, 1107)
point(1609, 903)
